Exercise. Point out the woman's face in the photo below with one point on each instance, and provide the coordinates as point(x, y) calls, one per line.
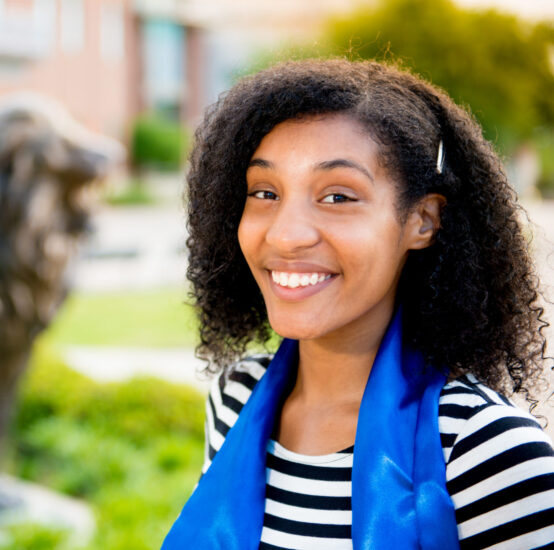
point(320, 231)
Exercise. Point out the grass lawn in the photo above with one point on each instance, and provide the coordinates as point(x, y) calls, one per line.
point(135, 193)
point(157, 318)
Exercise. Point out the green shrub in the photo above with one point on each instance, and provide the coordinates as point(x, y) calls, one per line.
point(75, 459)
point(132, 450)
point(157, 142)
point(32, 537)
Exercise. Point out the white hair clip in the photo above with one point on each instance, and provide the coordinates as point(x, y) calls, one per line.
point(440, 158)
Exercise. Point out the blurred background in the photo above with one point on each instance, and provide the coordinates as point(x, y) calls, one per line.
point(101, 402)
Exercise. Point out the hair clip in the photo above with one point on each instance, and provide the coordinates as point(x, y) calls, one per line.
point(440, 158)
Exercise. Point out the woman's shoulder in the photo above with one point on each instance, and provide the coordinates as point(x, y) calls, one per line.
point(499, 467)
point(471, 413)
point(465, 405)
point(228, 393)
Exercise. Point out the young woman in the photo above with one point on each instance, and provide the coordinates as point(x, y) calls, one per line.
point(359, 213)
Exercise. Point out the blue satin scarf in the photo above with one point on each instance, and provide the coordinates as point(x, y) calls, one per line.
point(399, 497)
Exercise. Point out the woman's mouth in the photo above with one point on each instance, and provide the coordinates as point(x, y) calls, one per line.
point(288, 279)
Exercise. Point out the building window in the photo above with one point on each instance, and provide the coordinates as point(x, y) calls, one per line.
point(163, 65)
point(72, 26)
point(112, 32)
point(27, 29)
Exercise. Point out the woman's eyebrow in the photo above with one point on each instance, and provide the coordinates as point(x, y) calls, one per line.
point(344, 163)
point(324, 165)
point(261, 163)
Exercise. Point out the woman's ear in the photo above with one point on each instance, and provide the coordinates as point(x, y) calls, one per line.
point(424, 221)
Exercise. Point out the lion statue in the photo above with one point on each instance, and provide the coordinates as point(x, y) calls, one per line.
point(47, 163)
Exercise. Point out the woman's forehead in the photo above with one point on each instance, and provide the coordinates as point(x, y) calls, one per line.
point(332, 132)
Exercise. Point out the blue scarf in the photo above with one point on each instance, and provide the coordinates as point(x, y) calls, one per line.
point(399, 497)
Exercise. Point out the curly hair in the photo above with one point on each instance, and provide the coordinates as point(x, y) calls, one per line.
point(470, 301)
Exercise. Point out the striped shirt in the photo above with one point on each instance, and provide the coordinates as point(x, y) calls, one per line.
point(499, 471)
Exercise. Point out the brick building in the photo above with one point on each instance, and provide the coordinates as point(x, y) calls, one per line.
point(105, 60)
point(108, 60)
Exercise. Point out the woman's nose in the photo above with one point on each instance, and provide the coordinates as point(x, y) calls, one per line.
point(292, 228)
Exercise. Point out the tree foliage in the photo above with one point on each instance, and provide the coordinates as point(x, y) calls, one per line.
point(498, 65)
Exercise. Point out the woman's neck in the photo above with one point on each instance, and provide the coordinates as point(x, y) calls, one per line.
point(336, 367)
point(320, 414)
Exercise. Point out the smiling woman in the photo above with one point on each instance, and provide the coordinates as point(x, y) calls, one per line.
point(359, 213)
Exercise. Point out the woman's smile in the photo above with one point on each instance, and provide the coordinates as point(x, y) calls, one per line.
point(295, 286)
point(320, 229)
point(295, 280)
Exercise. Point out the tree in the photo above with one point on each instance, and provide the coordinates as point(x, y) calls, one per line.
point(498, 65)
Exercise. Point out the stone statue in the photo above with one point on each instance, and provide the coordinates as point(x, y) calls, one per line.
point(47, 163)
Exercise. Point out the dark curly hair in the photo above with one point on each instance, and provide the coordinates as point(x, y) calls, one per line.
point(470, 301)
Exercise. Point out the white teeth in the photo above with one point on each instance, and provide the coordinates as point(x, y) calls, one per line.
point(294, 280)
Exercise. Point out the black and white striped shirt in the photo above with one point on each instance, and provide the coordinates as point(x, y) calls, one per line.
point(499, 472)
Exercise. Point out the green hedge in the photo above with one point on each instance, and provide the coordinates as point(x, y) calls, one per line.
point(132, 450)
point(158, 142)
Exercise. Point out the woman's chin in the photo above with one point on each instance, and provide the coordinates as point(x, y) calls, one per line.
point(296, 332)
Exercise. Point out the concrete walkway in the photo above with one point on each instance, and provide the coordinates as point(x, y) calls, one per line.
point(133, 248)
point(115, 364)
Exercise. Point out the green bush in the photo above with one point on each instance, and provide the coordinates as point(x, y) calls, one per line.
point(157, 142)
point(33, 537)
point(132, 450)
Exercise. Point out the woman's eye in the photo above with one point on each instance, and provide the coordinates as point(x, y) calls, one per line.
point(267, 195)
point(334, 198)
